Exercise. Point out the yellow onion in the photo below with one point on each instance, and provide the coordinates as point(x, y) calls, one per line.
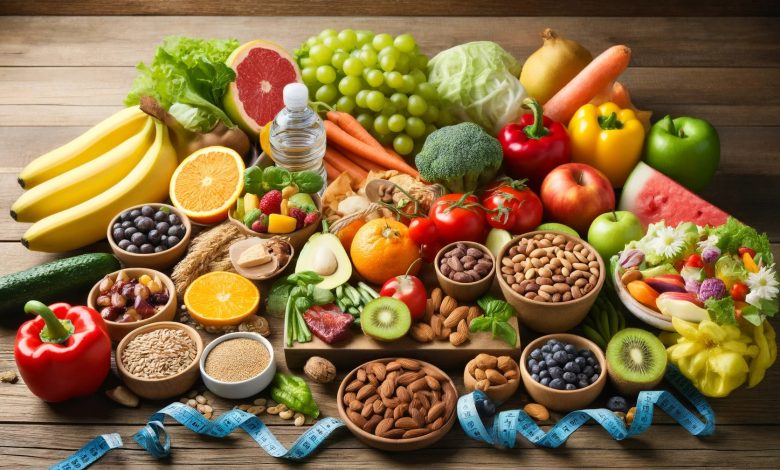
point(553, 65)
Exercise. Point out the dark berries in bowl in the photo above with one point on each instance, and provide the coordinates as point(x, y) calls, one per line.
point(561, 366)
point(148, 230)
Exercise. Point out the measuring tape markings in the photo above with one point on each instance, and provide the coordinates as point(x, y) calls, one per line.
point(508, 424)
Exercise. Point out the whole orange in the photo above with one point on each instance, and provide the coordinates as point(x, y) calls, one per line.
point(347, 233)
point(383, 249)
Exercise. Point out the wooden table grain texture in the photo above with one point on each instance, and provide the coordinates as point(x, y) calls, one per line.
point(60, 75)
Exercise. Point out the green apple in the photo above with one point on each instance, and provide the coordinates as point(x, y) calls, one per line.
point(685, 149)
point(496, 239)
point(611, 231)
point(558, 228)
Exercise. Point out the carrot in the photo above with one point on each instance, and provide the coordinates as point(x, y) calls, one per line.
point(596, 76)
point(332, 172)
point(393, 153)
point(367, 165)
point(339, 137)
point(342, 164)
point(351, 126)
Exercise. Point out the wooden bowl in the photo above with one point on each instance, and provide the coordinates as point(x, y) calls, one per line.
point(297, 238)
point(497, 393)
point(162, 260)
point(383, 443)
point(549, 317)
point(251, 273)
point(117, 330)
point(464, 291)
point(564, 400)
point(160, 389)
point(647, 315)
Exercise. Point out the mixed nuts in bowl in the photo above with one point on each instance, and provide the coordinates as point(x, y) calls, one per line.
point(465, 269)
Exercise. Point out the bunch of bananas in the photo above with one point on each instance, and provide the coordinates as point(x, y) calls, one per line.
point(74, 191)
point(603, 320)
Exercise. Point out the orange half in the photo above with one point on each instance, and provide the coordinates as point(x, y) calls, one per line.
point(221, 298)
point(207, 183)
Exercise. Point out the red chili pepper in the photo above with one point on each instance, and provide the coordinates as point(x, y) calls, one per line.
point(534, 146)
point(64, 352)
point(743, 249)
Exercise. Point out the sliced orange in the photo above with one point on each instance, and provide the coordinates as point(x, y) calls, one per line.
point(221, 298)
point(207, 183)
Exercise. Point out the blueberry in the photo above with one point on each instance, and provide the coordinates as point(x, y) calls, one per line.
point(545, 381)
point(571, 387)
point(117, 225)
point(160, 216)
point(164, 239)
point(124, 243)
point(172, 241)
point(556, 372)
point(127, 224)
point(557, 384)
point(569, 348)
point(542, 365)
point(148, 211)
point(588, 371)
point(557, 347)
point(147, 248)
point(594, 378)
point(553, 342)
point(560, 357)
point(586, 353)
point(125, 216)
point(582, 377)
point(145, 224)
point(580, 361)
point(546, 348)
point(173, 231)
point(154, 236)
point(163, 227)
point(570, 377)
point(134, 213)
point(159, 249)
point(129, 231)
point(535, 369)
point(132, 249)
point(591, 361)
point(572, 367)
point(178, 231)
point(617, 403)
point(570, 357)
point(582, 383)
point(138, 238)
point(535, 377)
point(544, 374)
point(536, 354)
point(485, 407)
point(174, 219)
point(597, 368)
point(551, 363)
point(118, 234)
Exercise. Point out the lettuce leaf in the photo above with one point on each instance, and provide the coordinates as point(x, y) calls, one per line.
point(721, 310)
point(189, 78)
point(734, 234)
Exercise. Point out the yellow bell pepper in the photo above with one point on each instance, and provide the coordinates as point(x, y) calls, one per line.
point(607, 138)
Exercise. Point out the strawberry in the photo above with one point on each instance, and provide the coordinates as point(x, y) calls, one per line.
point(271, 203)
point(310, 218)
point(298, 215)
point(261, 224)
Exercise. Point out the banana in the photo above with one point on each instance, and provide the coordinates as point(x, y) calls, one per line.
point(84, 182)
point(95, 142)
point(87, 222)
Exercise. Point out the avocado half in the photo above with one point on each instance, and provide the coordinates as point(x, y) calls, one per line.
point(308, 257)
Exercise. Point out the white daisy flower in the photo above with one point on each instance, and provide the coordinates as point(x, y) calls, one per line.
point(763, 285)
point(710, 242)
point(667, 242)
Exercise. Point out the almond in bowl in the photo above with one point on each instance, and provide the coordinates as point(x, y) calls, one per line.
point(498, 377)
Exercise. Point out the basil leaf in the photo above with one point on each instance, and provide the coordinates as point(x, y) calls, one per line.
point(721, 310)
point(752, 315)
point(275, 177)
point(253, 180)
point(505, 331)
point(304, 277)
point(482, 323)
point(307, 181)
point(277, 298)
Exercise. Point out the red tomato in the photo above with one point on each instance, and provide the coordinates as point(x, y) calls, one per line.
point(459, 217)
point(739, 291)
point(743, 249)
point(423, 231)
point(409, 290)
point(694, 261)
point(429, 251)
point(513, 207)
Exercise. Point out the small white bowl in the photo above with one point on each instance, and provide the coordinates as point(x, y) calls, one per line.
point(245, 388)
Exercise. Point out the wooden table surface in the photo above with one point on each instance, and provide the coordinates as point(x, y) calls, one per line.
point(60, 75)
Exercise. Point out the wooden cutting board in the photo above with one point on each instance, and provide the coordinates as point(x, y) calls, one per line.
point(360, 348)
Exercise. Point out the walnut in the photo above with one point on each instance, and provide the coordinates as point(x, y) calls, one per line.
point(320, 370)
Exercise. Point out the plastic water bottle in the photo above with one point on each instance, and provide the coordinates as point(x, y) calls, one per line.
point(297, 134)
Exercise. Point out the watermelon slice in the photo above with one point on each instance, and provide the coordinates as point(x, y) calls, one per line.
point(654, 197)
point(262, 69)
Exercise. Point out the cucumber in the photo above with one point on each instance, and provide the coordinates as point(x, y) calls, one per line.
point(52, 281)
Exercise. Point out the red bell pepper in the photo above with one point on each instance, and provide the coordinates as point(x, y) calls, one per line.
point(534, 146)
point(64, 352)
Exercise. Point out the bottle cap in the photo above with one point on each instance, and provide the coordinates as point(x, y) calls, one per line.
point(296, 96)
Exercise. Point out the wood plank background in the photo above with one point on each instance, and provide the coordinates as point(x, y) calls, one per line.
point(60, 75)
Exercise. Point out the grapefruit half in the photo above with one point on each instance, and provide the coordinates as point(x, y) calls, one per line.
point(262, 69)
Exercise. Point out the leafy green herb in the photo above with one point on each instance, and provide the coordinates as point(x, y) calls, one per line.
point(189, 78)
point(277, 297)
point(734, 234)
point(495, 319)
point(275, 177)
point(303, 294)
point(307, 181)
point(294, 392)
point(721, 310)
point(253, 180)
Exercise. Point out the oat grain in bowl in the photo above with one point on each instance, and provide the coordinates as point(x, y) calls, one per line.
point(236, 360)
point(159, 353)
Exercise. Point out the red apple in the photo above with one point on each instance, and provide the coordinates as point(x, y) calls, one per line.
point(574, 194)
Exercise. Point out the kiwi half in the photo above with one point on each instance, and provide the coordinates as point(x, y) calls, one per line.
point(385, 319)
point(636, 360)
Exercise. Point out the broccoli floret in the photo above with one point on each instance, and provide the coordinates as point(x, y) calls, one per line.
point(460, 157)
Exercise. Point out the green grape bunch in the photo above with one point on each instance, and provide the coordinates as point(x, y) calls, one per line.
point(380, 79)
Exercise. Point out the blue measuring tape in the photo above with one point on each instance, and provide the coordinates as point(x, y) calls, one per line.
point(154, 438)
point(506, 426)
